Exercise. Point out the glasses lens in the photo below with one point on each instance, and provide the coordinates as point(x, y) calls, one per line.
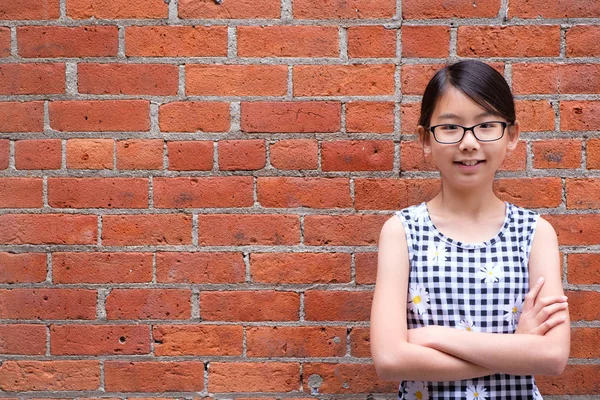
point(489, 130)
point(448, 133)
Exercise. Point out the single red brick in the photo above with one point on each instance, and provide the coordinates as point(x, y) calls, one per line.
point(290, 192)
point(296, 341)
point(100, 115)
point(393, 193)
point(366, 268)
point(295, 154)
point(247, 154)
point(535, 115)
point(55, 375)
point(339, 378)
point(199, 267)
point(4, 42)
point(581, 41)
point(148, 304)
point(118, 9)
point(371, 117)
point(239, 9)
point(580, 115)
point(32, 78)
point(140, 154)
point(583, 193)
point(428, 41)
point(307, 267)
point(21, 192)
point(30, 9)
point(96, 267)
point(584, 269)
point(371, 41)
point(141, 376)
point(135, 79)
point(176, 41)
point(415, 78)
point(343, 80)
point(342, 230)
point(254, 377)
point(199, 192)
point(564, 153)
point(431, 9)
point(38, 154)
point(236, 80)
point(555, 9)
point(147, 229)
point(48, 229)
point(4, 153)
point(360, 342)
point(576, 229)
point(21, 117)
point(191, 155)
point(98, 192)
point(63, 41)
point(509, 41)
point(583, 342)
point(22, 267)
point(23, 339)
point(248, 229)
point(358, 155)
point(44, 303)
point(344, 9)
point(267, 305)
point(579, 78)
point(288, 41)
point(198, 340)
point(337, 305)
point(535, 78)
point(192, 116)
point(290, 117)
point(90, 153)
point(413, 158)
point(98, 340)
point(530, 192)
point(576, 379)
point(593, 154)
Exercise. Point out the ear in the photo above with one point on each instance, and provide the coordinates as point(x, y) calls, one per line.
point(513, 135)
point(424, 139)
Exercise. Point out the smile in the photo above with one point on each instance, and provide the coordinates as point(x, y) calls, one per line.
point(470, 162)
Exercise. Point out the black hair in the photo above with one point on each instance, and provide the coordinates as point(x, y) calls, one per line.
point(482, 83)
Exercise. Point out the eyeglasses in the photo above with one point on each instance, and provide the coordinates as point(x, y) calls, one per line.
point(484, 132)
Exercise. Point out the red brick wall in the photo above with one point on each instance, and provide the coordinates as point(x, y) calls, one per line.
point(191, 192)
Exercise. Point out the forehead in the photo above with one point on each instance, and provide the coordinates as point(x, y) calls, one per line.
point(456, 103)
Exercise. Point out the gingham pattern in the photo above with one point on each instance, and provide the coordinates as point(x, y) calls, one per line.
point(473, 283)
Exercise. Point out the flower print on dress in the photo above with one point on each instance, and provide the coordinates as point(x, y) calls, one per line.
point(418, 299)
point(513, 311)
point(416, 391)
point(436, 254)
point(476, 392)
point(467, 325)
point(490, 272)
point(420, 214)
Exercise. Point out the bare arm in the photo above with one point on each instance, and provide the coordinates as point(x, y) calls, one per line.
point(394, 357)
point(518, 354)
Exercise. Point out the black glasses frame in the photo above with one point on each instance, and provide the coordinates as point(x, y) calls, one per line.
point(472, 129)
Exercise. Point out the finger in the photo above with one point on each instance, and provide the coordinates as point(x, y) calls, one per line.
point(549, 324)
point(546, 301)
point(548, 311)
point(532, 294)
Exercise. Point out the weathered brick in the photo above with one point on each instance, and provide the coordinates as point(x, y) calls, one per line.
point(340, 378)
point(400, 193)
point(254, 377)
point(55, 375)
point(133, 79)
point(99, 339)
point(197, 340)
point(38, 154)
point(4, 42)
point(576, 229)
point(48, 229)
point(290, 117)
point(425, 41)
point(118, 9)
point(344, 9)
point(138, 304)
point(320, 305)
point(236, 80)
point(200, 267)
point(21, 117)
point(90, 153)
point(360, 342)
point(141, 376)
point(62, 41)
point(535, 115)
point(21, 192)
point(248, 229)
point(96, 267)
point(100, 115)
point(265, 305)
point(581, 41)
point(22, 267)
point(530, 192)
point(366, 268)
point(176, 41)
point(342, 230)
point(296, 341)
point(98, 192)
point(576, 379)
point(375, 117)
point(48, 78)
point(199, 192)
point(561, 153)
point(140, 154)
point(583, 269)
point(415, 78)
point(343, 80)
point(300, 267)
point(240, 9)
point(193, 116)
point(190, 155)
point(509, 41)
point(248, 154)
point(413, 158)
point(593, 154)
point(554, 9)
point(146, 229)
point(529, 78)
point(291, 192)
point(55, 303)
point(30, 9)
point(357, 155)
point(21, 339)
point(371, 42)
point(302, 154)
point(583, 193)
point(431, 9)
point(287, 41)
point(580, 115)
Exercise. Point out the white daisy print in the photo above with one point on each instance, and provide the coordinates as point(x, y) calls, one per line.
point(490, 272)
point(476, 392)
point(513, 311)
point(418, 299)
point(467, 325)
point(416, 391)
point(436, 254)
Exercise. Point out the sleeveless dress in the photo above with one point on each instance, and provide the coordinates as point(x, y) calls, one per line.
point(472, 286)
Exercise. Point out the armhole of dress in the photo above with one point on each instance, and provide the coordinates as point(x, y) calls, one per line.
point(531, 229)
point(407, 233)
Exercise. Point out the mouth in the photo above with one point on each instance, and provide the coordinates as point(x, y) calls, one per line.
point(469, 163)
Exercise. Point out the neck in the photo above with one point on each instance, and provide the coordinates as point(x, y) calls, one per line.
point(470, 203)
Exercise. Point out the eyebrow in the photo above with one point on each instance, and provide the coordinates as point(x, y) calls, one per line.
point(454, 116)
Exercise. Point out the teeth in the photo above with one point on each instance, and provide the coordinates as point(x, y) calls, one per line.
point(469, 162)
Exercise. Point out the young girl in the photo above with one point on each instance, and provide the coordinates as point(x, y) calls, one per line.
point(468, 300)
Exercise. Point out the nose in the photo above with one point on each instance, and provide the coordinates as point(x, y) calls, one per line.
point(469, 141)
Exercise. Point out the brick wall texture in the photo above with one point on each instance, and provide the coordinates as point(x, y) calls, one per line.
point(191, 191)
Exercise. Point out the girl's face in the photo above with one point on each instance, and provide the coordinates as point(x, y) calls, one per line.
point(469, 162)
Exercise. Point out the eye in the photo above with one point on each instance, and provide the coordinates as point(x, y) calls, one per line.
point(449, 127)
point(489, 125)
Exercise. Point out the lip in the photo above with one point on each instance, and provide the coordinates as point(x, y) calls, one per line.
point(463, 167)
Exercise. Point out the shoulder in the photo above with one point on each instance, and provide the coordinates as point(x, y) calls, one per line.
point(402, 220)
point(544, 233)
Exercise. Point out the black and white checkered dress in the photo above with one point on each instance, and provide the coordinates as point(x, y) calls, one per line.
point(472, 286)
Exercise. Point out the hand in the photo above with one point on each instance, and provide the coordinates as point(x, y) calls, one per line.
point(539, 314)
